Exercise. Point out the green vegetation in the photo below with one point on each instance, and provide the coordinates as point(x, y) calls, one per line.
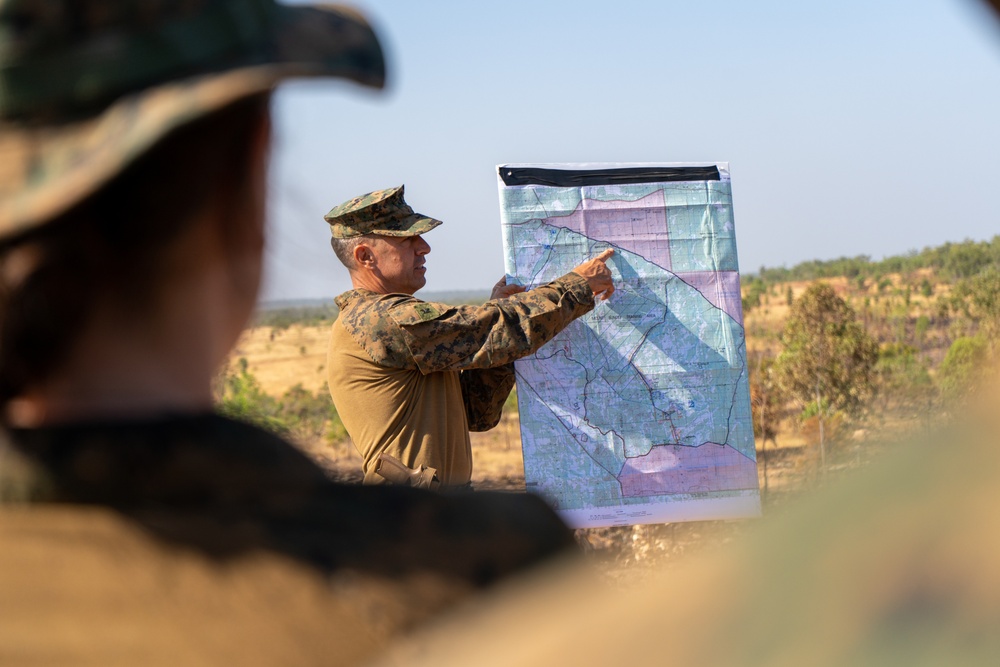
point(894, 343)
point(311, 415)
point(282, 318)
point(238, 396)
point(828, 357)
point(903, 379)
point(510, 405)
point(766, 399)
point(753, 289)
point(299, 414)
point(978, 299)
point(964, 367)
point(952, 261)
point(827, 362)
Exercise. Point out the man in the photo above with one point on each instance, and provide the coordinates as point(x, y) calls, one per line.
point(137, 526)
point(410, 379)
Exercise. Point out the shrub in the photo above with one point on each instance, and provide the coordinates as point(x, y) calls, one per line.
point(238, 396)
point(964, 366)
point(300, 414)
point(311, 415)
point(902, 377)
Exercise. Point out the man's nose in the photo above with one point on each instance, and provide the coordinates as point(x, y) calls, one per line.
point(420, 246)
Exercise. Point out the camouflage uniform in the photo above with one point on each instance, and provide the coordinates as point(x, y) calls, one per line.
point(411, 378)
point(260, 519)
point(87, 88)
point(893, 565)
point(382, 212)
point(227, 488)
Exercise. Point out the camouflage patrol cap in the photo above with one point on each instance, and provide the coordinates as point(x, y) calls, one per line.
point(381, 212)
point(88, 86)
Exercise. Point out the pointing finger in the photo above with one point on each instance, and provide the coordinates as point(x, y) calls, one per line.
point(603, 257)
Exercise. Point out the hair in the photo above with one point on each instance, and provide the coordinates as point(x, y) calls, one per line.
point(344, 249)
point(112, 245)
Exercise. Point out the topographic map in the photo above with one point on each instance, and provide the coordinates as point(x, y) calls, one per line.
point(638, 412)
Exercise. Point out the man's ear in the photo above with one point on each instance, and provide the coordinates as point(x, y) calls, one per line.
point(363, 255)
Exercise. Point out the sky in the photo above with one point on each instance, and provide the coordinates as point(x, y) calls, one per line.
point(851, 127)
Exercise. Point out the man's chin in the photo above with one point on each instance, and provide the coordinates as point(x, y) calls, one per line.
point(416, 286)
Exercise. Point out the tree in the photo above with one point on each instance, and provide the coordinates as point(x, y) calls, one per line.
point(828, 357)
point(310, 416)
point(754, 289)
point(766, 404)
point(903, 380)
point(978, 298)
point(766, 399)
point(238, 395)
point(926, 289)
point(964, 367)
point(300, 414)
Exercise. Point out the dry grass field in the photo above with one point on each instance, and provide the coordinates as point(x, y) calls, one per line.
point(282, 358)
point(788, 466)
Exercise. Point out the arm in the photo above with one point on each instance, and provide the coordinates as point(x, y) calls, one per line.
point(484, 392)
point(439, 337)
point(399, 331)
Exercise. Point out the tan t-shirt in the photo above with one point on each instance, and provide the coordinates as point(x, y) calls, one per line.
point(420, 419)
point(408, 376)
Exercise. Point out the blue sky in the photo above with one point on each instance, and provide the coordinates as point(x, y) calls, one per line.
point(850, 127)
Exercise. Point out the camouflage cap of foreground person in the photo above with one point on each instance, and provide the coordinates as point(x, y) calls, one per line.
point(381, 212)
point(87, 86)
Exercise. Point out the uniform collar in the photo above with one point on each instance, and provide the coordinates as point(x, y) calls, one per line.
point(350, 296)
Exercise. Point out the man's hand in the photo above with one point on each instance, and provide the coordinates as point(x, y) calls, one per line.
point(598, 275)
point(502, 290)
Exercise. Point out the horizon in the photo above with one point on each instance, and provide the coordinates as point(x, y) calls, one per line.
point(850, 128)
point(449, 295)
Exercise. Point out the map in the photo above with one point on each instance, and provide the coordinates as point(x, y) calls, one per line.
point(638, 412)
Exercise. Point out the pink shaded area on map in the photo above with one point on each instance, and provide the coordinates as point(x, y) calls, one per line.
point(642, 229)
point(641, 225)
point(676, 469)
point(721, 288)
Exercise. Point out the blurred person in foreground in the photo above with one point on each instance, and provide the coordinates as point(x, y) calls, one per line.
point(410, 378)
point(893, 565)
point(138, 527)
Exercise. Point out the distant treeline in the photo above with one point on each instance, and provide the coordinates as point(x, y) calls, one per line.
point(951, 261)
point(281, 316)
